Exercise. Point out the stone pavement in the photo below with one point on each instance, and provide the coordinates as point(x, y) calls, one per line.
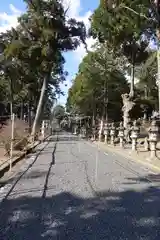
point(142, 156)
point(58, 194)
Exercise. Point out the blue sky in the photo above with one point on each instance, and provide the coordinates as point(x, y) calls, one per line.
point(80, 9)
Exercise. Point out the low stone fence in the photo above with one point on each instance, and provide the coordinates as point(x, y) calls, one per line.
point(138, 136)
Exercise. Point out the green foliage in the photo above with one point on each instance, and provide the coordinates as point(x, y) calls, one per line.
point(121, 21)
point(124, 29)
point(58, 112)
point(127, 26)
point(147, 87)
point(98, 86)
point(34, 50)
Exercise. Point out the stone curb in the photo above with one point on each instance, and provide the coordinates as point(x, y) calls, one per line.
point(134, 157)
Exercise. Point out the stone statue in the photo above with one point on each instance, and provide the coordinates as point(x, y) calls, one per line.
point(127, 106)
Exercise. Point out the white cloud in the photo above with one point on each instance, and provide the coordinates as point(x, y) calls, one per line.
point(74, 10)
point(80, 52)
point(7, 21)
point(73, 7)
point(14, 9)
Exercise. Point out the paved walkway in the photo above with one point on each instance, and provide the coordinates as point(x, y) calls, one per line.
point(58, 194)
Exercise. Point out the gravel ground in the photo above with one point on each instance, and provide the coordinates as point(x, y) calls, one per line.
point(68, 189)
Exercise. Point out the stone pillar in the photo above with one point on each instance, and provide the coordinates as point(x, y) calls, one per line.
point(121, 134)
point(106, 132)
point(134, 135)
point(112, 133)
point(153, 138)
point(83, 132)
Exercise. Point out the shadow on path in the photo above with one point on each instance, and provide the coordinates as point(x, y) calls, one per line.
point(31, 175)
point(155, 178)
point(110, 215)
point(115, 216)
point(18, 178)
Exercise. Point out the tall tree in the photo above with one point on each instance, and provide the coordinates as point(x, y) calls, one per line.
point(111, 22)
point(97, 87)
point(124, 26)
point(43, 34)
point(115, 20)
point(58, 112)
point(147, 85)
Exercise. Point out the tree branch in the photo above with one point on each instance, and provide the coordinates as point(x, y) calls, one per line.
point(132, 10)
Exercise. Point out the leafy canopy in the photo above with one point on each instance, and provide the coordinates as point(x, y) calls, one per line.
point(35, 49)
point(98, 84)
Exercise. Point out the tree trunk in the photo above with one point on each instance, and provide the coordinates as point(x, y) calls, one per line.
point(22, 111)
point(145, 92)
point(29, 116)
point(158, 63)
point(93, 112)
point(11, 108)
point(93, 118)
point(105, 101)
point(128, 102)
point(106, 114)
point(132, 78)
point(11, 97)
point(40, 105)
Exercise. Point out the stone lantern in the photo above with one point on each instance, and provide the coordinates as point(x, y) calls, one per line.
point(134, 135)
point(106, 132)
point(112, 133)
point(153, 138)
point(121, 134)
